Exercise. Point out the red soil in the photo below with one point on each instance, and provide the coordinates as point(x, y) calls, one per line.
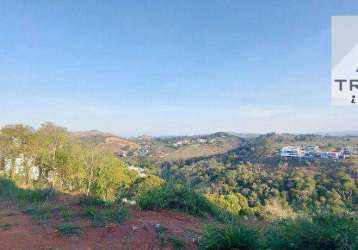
point(139, 231)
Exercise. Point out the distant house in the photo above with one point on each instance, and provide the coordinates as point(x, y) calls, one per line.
point(202, 140)
point(349, 150)
point(19, 167)
point(331, 155)
point(310, 152)
point(292, 151)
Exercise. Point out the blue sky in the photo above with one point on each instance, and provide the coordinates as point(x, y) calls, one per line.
point(170, 67)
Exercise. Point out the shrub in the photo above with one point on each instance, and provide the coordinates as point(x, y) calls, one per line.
point(42, 195)
point(95, 216)
point(139, 187)
point(229, 237)
point(178, 197)
point(276, 209)
point(320, 232)
point(66, 213)
point(90, 212)
point(117, 215)
point(234, 203)
point(69, 229)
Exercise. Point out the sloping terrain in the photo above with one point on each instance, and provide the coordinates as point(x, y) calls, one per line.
point(192, 151)
point(162, 148)
point(140, 231)
point(115, 144)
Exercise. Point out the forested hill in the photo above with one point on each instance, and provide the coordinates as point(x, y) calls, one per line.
point(271, 184)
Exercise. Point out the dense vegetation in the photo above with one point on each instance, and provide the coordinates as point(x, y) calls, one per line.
point(324, 231)
point(52, 157)
point(320, 232)
point(270, 186)
point(248, 180)
point(229, 237)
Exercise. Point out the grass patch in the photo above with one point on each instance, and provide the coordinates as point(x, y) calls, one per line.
point(229, 237)
point(178, 197)
point(32, 196)
point(66, 213)
point(101, 217)
point(39, 213)
point(165, 238)
point(176, 243)
point(69, 229)
point(7, 188)
point(9, 191)
point(117, 215)
point(95, 216)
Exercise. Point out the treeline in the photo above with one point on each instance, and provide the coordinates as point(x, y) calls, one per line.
point(51, 156)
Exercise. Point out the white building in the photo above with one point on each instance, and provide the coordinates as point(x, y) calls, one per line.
point(349, 150)
point(312, 149)
point(292, 151)
point(19, 168)
point(310, 152)
point(202, 141)
point(331, 155)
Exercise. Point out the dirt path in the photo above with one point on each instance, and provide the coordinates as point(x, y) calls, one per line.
point(139, 231)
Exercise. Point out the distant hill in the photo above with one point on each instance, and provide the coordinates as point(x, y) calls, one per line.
point(172, 148)
point(186, 147)
point(144, 137)
point(113, 143)
point(92, 135)
point(339, 133)
point(162, 148)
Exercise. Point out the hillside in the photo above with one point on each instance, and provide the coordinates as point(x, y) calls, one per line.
point(19, 230)
point(256, 171)
point(115, 144)
point(65, 190)
point(162, 148)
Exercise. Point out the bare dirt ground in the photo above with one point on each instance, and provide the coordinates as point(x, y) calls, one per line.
point(139, 231)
